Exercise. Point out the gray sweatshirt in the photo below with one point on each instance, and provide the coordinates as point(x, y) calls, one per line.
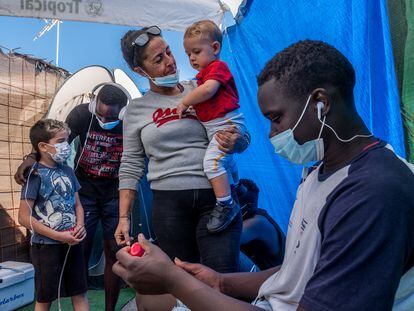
point(175, 148)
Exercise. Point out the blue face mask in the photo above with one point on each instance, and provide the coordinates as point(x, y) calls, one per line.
point(63, 152)
point(109, 125)
point(167, 81)
point(286, 146)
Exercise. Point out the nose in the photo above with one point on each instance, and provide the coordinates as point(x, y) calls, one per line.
point(273, 130)
point(170, 60)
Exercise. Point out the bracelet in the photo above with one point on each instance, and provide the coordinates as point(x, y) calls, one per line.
point(30, 155)
point(124, 216)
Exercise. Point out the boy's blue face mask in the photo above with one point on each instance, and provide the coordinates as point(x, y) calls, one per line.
point(286, 146)
point(63, 151)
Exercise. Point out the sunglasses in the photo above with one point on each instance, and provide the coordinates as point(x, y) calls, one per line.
point(143, 38)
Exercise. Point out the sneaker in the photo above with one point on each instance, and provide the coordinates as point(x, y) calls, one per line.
point(222, 216)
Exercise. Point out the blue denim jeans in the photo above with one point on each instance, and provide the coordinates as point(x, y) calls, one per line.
point(179, 219)
point(104, 210)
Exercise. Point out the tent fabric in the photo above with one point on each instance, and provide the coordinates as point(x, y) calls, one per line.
point(408, 80)
point(359, 29)
point(401, 14)
point(167, 14)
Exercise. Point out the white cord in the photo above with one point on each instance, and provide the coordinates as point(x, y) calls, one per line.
point(61, 275)
point(28, 205)
point(32, 234)
point(339, 138)
point(146, 216)
point(84, 144)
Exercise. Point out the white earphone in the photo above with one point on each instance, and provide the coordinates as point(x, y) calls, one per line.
point(320, 106)
point(93, 102)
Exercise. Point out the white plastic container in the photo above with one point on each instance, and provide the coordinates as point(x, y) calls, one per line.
point(16, 285)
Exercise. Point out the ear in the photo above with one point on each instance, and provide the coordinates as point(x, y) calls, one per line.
point(321, 95)
point(216, 47)
point(139, 71)
point(42, 146)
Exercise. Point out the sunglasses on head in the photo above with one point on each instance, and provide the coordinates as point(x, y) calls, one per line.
point(143, 38)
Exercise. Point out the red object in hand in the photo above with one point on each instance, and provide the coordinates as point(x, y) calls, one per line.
point(136, 250)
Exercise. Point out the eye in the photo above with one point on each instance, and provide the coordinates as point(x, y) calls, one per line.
point(275, 118)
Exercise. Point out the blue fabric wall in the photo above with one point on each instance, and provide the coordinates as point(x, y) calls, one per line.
point(359, 29)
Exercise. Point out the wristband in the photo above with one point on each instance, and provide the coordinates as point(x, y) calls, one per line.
point(124, 216)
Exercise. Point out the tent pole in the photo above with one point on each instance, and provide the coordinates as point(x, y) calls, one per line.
point(57, 42)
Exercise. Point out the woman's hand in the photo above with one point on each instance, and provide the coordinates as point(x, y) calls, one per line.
point(122, 237)
point(204, 274)
point(232, 141)
point(151, 274)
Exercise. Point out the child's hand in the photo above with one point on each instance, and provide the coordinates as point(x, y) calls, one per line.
point(181, 108)
point(79, 231)
point(68, 238)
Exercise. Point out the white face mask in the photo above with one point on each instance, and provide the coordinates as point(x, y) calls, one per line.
point(286, 145)
point(63, 152)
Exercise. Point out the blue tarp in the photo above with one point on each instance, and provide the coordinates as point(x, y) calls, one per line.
point(359, 29)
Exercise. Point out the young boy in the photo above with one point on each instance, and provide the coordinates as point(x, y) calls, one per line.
point(215, 101)
point(50, 207)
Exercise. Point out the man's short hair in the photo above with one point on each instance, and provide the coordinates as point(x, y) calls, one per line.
point(307, 65)
point(112, 96)
point(204, 29)
point(44, 130)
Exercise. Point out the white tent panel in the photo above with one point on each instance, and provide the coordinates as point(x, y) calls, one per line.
point(123, 79)
point(167, 14)
point(76, 89)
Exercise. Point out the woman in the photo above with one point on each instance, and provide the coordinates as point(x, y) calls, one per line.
point(182, 195)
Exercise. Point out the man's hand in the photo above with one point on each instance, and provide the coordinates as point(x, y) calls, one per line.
point(181, 108)
point(151, 274)
point(204, 274)
point(21, 170)
point(231, 140)
point(122, 237)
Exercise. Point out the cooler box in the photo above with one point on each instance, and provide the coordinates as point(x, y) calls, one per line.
point(16, 285)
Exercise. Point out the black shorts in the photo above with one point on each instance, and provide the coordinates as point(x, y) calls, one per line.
point(48, 261)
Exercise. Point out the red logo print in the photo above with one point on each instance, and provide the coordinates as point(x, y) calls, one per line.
point(161, 116)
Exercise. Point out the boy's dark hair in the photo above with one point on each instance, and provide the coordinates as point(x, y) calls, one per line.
point(44, 130)
point(307, 65)
point(204, 29)
point(112, 96)
point(134, 54)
